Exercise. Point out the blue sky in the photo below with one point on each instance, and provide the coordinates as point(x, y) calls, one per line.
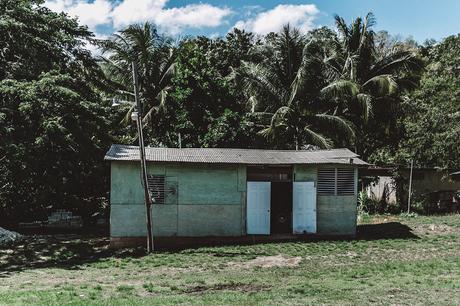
point(421, 19)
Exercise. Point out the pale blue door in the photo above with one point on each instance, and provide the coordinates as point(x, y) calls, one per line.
point(258, 208)
point(304, 207)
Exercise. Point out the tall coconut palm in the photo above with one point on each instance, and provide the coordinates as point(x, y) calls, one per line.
point(368, 82)
point(363, 74)
point(284, 92)
point(155, 55)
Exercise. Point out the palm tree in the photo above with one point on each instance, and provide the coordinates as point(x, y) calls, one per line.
point(284, 92)
point(367, 80)
point(155, 55)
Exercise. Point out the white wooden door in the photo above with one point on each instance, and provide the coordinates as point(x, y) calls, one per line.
point(304, 207)
point(258, 208)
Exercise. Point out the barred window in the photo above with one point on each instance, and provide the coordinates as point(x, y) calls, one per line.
point(336, 181)
point(156, 186)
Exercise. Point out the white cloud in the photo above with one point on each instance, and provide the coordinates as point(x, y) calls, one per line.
point(131, 11)
point(90, 14)
point(173, 20)
point(192, 15)
point(301, 16)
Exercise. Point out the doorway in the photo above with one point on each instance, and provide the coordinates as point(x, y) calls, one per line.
point(281, 208)
point(270, 200)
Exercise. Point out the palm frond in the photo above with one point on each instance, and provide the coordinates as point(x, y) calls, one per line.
point(162, 95)
point(168, 71)
point(127, 118)
point(262, 116)
point(258, 80)
point(365, 101)
point(252, 102)
point(366, 32)
point(149, 115)
point(341, 124)
point(267, 132)
point(307, 72)
point(280, 115)
point(341, 26)
point(397, 60)
point(383, 85)
point(318, 139)
point(341, 88)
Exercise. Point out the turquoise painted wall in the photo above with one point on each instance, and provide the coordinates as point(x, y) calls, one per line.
point(207, 200)
point(201, 200)
point(335, 215)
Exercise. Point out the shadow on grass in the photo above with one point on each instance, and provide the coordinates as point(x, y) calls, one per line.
point(390, 230)
point(70, 251)
point(66, 250)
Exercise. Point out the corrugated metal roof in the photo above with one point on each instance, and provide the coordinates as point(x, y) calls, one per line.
point(234, 156)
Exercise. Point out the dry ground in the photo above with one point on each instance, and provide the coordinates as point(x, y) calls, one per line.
point(395, 260)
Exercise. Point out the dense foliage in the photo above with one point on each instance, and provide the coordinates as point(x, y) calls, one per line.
point(432, 121)
point(343, 87)
point(53, 126)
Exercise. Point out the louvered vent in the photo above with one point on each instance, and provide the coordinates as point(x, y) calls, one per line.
point(156, 184)
point(345, 181)
point(326, 181)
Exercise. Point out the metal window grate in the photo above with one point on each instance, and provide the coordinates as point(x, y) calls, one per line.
point(326, 181)
point(345, 181)
point(156, 186)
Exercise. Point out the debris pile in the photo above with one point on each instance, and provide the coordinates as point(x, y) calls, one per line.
point(7, 237)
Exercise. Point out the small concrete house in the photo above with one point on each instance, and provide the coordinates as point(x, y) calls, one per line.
point(233, 192)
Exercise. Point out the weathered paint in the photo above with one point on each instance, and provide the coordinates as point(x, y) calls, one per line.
point(209, 220)
point(127, 220)
point(207, 200)
point(336, 215)
point(199, 201)
point(305, 173)
point(125, 184)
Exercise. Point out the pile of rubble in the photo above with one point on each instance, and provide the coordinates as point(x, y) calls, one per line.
point(8, 237)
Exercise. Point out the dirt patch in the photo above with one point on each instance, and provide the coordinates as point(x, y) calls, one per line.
point(436, 229)
point(225, 287)
point(269, 262)
point(384, 219)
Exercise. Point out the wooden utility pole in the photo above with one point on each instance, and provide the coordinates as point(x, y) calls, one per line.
point(147, 198)
point(410, 185)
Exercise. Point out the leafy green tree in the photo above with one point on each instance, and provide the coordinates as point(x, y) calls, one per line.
point(201, 94)
point(52, 127)
point(432, 118)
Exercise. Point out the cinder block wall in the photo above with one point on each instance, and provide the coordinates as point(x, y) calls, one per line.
point(201, 200)
point(335, 215)
point(209, 200)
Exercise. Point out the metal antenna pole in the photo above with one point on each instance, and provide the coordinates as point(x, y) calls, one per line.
point(147, 198)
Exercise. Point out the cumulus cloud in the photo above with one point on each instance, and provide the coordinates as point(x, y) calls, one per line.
point(192, 15)
point(90, 14)
point(301, 16)
point(131, 11)
point(173, 20)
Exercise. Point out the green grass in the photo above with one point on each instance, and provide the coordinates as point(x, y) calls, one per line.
point(396, 260)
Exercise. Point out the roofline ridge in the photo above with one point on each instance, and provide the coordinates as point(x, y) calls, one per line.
point(245, 149)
